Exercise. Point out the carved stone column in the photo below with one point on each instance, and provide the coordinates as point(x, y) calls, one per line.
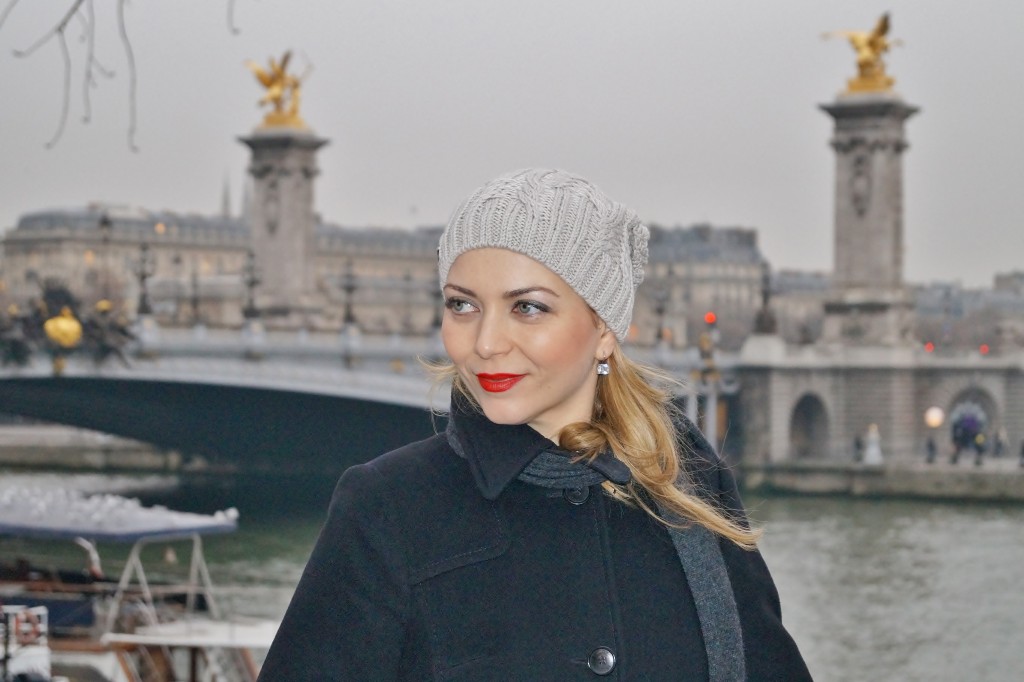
point(282, 223)
point(869, 304)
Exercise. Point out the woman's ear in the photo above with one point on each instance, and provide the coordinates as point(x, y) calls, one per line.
point(606, 344)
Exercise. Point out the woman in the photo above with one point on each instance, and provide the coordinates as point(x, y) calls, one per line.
point(567, 525)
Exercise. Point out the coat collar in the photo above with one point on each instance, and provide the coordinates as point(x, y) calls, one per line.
point(498, 453)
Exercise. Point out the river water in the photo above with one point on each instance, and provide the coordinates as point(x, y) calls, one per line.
point(871, 589)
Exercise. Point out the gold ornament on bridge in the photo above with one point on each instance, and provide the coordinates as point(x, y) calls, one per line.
point(64, 330)
point(869, 46)
point(283, 93)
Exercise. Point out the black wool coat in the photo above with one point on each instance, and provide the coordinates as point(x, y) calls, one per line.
point(436, 563)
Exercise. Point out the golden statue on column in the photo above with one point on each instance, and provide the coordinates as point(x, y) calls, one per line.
point(869, 47)
point(283, 93)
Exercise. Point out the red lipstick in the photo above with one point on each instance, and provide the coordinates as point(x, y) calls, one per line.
point(498, 383)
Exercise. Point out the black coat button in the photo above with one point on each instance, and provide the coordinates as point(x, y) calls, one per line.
point(576, 495)
point(601, 661)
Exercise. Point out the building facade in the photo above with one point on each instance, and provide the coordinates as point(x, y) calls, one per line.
point(198, 265)
point(386, 277)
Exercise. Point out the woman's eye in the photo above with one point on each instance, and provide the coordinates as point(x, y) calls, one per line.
point(530, 308)
point(458, 305)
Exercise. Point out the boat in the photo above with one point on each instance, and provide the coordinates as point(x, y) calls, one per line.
point(23, 644)
point(131, 629)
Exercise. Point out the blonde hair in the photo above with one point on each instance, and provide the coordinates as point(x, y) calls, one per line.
point(633, 418)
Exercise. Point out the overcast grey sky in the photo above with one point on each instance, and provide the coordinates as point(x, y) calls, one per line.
point(687, 111)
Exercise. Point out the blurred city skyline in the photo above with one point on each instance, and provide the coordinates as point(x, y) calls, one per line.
point(688, 112)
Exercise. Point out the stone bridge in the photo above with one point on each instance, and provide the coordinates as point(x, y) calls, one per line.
point(279, 402)
point(812, 402)
point(289, 403)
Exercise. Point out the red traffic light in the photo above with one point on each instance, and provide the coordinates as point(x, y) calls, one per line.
point(710, 317)
point(929, 347)
point(983, 349)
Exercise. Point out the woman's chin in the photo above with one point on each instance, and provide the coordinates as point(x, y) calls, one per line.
point(502, 414)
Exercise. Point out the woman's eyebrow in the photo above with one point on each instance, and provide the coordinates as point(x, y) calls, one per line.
point(461, 290)
point(516, 293)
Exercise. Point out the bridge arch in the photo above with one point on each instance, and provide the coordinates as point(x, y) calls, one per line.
point(986, 392)
point(978, 396)
point(809, 428)
point(235, 428)
point(971, 401)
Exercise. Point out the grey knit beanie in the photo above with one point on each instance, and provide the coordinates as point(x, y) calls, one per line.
point(598, 246)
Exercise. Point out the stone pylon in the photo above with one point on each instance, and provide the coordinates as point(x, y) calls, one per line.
point(869, 304)
point(282, 223)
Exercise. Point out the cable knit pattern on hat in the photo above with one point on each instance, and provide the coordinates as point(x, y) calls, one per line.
point(598, 246)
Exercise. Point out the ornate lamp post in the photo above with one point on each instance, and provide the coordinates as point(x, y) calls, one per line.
point(194, 300)
point(934, 416)
point(252, 329)
point(251, 278)
point(765, 322)
point(146, 328)
point(105, 227)
point(659, 293)
point(350, 328)
point(662, 295)
point(177, 261)
point(349, 286)
point(407, 290)
point(707, 377)
point(15, 347)
point(146, 269)
point(712, 383)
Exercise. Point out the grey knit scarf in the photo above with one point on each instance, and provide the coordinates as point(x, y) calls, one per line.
point(698, 551)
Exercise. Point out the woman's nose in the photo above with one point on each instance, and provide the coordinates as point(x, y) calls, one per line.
point(492, 337)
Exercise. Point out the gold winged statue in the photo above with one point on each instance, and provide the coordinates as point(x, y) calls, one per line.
point(283, 93)
point(869, 46)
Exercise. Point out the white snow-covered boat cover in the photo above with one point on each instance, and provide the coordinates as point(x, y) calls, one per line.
point(37, 512)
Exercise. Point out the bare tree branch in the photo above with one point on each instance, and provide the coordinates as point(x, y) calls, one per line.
point(231, 18)
point(88, 80)
point(102, 70)
point(65, 100)
point(7, 10)
point(131, 74)
point(83, 23)
point(57, 30)
point(93, 67)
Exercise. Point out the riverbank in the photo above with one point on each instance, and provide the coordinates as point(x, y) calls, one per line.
point(996, 480)
point(60, 448)
point(65, 448)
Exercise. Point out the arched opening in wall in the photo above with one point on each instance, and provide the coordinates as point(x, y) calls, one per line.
point(973, 422)
point(808, 429)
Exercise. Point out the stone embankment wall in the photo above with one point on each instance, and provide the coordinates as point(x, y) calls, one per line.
point(54, 447)
point(997, 480)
